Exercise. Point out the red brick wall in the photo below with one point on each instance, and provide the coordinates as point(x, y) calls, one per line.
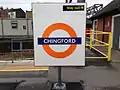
point(108, 24)
point(100, 28)
point(107, 27)
point(3, 13)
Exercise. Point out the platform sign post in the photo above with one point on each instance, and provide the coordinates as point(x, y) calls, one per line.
point(59, 34)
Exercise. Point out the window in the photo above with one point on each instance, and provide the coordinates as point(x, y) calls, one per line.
point(95, 25)
point(16, 46)
point(14, 25)
point(27, 45)
point(24, 27)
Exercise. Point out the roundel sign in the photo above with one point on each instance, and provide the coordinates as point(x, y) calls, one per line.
point(73, 40)
point(59, 34)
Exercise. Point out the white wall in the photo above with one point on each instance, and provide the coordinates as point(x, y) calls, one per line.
point(30, 27)
point(22, 31)
point(8, 30)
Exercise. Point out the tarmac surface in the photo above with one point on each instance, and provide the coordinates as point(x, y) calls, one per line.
point(95, 77)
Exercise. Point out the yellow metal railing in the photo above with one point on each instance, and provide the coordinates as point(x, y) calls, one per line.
point(94, 42)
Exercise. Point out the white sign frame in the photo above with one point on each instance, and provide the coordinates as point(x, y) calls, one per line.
point(44, 15)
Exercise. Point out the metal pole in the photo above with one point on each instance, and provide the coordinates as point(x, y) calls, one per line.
point(90, 39)
point(109, 46)
point(59, 76)
point(2, 27)
point(12, 50)
point(59, 85)
point(21, 50)
point(66, 1)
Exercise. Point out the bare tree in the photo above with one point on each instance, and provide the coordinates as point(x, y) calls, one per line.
point(80, 1)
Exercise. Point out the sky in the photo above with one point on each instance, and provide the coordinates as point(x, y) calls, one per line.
point(26, 4)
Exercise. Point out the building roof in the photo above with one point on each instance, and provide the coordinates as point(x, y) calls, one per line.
point(115, 4)
point(14, 10)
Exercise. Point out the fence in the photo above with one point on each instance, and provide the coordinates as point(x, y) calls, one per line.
point(21, 55)
point(26, 54)
point(94, 40)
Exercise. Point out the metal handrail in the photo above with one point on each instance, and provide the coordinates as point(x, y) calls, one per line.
point(92, 45)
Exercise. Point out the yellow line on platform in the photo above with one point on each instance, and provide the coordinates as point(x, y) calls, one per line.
point(96, 57)
point(22, 68)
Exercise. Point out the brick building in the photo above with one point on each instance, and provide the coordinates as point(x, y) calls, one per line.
point(108, 20)
point(3, 13)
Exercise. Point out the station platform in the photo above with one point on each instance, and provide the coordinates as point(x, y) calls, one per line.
point(21, 65)
point(28, 65)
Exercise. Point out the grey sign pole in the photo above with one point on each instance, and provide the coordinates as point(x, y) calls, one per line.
point(59, 85)
point(59, 76)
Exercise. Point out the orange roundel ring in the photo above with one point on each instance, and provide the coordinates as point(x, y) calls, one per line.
point(53, 28)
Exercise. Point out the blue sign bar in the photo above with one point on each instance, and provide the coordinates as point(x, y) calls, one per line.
point(59, 41)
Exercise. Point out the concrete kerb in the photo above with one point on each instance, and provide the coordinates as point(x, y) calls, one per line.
point(3, 61)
